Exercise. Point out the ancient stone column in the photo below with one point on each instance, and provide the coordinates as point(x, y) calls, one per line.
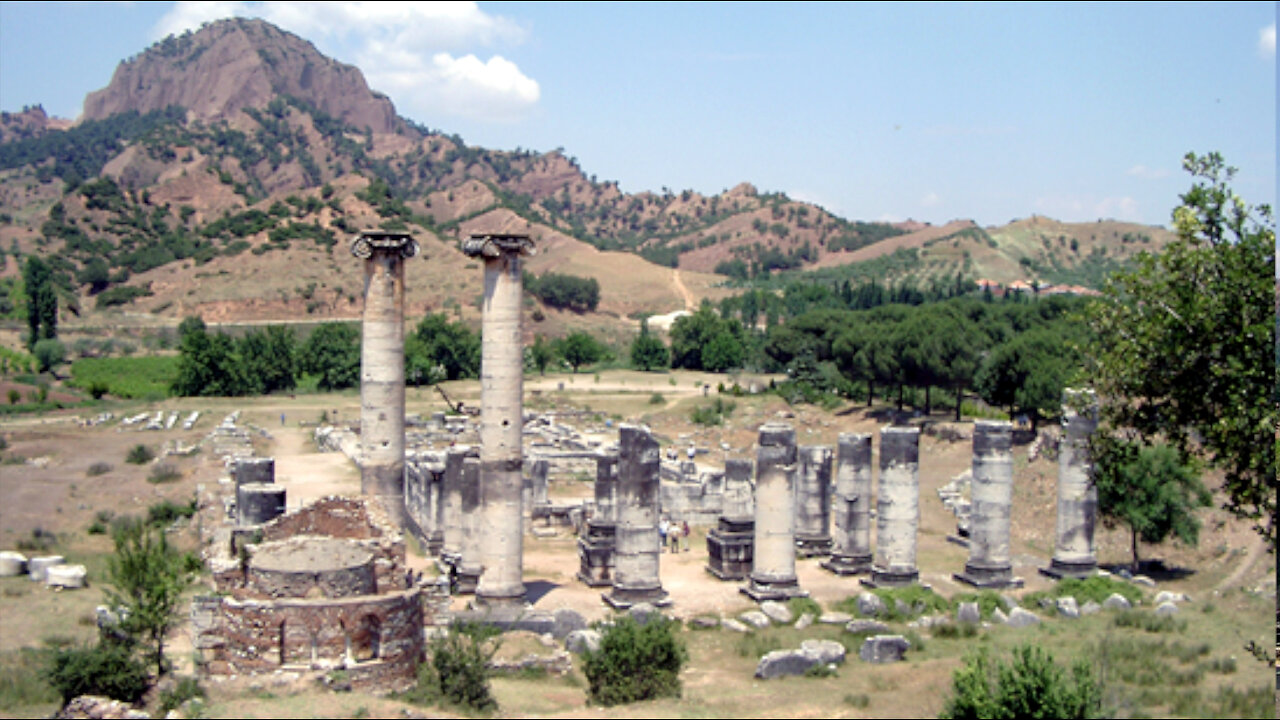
point(990, 559)
point(851, 506)
point(596, 547)
point(470, 565)
point(730, 543)
point(637, 548)
point(773, 568)
point(382, 367)
point(813, 501)
point(1074, 554)
point(451, 521)
point(501, 417)
point(897, 508)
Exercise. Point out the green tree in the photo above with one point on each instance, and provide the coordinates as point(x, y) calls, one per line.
point(1028, 373)
point(1150, 489)
point(267, 360)
point(449, 346)
point(42, 301)
point(648, 352)
point(208, 364)
point(1185, 341)
point(332, 353)
point(581, 348)
point(1032, 686)
point(147, 577)
point(542, 354)
point(692, 335)
point(48, 353)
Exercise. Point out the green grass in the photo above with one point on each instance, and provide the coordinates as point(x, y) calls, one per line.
point(144, 378)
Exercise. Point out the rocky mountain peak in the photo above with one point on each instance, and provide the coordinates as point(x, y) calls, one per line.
point(236, 63)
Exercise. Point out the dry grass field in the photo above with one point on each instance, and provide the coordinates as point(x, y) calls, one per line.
point(1196, 667)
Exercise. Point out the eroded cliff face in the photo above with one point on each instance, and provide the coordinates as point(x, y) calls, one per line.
point(232, 64)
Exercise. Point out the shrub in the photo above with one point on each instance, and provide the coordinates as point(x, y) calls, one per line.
point(163, 473)
point(139, 455)
point(164, 513)
point(635, 662)
point(98, 468)
point(1032, 686)
point(108, 669)
point(186, 689)
point(456, 674)
point(656, 399)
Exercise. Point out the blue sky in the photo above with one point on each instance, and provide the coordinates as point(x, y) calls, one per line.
point(924, 111)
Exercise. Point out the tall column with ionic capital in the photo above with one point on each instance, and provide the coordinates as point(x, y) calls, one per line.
point(382, 367)
point(501, 417)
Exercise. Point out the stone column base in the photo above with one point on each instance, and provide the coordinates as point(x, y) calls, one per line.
point(595, 555)
point(465, 579)
point(815, 546)
point(623, 598)
point(848, 564)
point(510, 598)
point(896, 577)
point(435, 543)
point(761, 589)
point(1059, 569)
point(731, 549)
point(988, 577)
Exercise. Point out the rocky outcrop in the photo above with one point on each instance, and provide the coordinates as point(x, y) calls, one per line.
point(237, 63)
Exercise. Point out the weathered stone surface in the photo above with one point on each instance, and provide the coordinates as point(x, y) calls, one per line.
point(998, 616)
point(780, 663)
point(828, 652)
point(866, 627)
point(734, 625)
point(1168, 608)
point(100, 708)
point(1143, 580)
point(755, 619)
point(870, 605)
point(1116, 602)
point(567, 620)
point(834, 618)
point(1068, 608)
point(37, 566)
point(643, 612)
point(777, 612)
point(705, 622)
point(12, 563)
point(1019, 617)
point(1090, 608)
point(969, 612)
point(68, 577)
point(884, 649)
point(580, 641)
point(804, 622)
point(1165, 596)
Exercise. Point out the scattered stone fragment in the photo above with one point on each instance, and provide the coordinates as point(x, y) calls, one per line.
point(777, 612)
point(566, 621)
point(1068, 608)
point(704, 622)
point(580, 641)
point(785, 662)
point(902, 607)
point(755, 619)
point(37, 566)
point(835, 618)
point(12, 563)
point(94, 706)
point(1009, 601)
point(1019, 617)
point(884, 649)
point(969, 612)
point(1090, 608)
point(1144, 581)
point(997, 615)
point(642, 612)
point(866, 627)
point(1165, 609)
point(805, 621)
point(1117, 602)
point(1165, 596)
point(734, 625)
point(828, 652)
point(870, 605)
point(68, 577)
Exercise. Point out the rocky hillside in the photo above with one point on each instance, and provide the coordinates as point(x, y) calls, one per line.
point(222, 172)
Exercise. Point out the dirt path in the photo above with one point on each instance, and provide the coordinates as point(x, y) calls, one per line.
point(689, 303)
point(1256, 551)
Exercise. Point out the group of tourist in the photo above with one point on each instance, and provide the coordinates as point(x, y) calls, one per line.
point(677, 534)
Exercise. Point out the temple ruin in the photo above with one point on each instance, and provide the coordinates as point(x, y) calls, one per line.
point(990, 562)
point(1074, 554)
point(898, 508)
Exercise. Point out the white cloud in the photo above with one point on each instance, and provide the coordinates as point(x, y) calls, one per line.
point(1118, 208)
point(1073, 208)
point(425, 55)
point(1267, 41)
point(930, 200)
point(1146, 173)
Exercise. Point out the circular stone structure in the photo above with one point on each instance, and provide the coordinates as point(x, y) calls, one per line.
point(311, 567)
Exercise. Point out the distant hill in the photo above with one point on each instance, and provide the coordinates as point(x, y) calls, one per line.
point(224, 171)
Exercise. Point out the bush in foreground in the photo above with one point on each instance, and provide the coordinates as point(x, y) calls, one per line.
point(456, 674)
point(635, 662)
point(1032, 686)
point(108, 669)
